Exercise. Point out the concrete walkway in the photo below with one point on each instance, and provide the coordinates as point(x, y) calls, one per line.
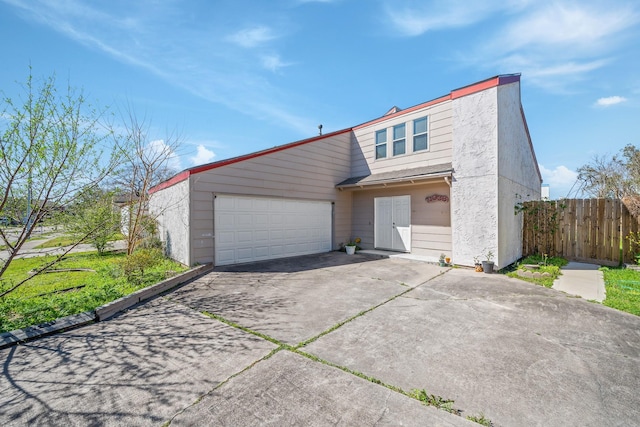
point(583, 280)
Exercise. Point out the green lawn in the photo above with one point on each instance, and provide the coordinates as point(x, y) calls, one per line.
point(623, 289)
point(49, 296)
point(549, 265)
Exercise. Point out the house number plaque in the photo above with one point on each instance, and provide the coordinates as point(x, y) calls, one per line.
point(437, 198)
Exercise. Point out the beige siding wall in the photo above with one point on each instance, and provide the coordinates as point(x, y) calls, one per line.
point(309, 171)
point(439, 135)
point(430, 222)
point(171, 208)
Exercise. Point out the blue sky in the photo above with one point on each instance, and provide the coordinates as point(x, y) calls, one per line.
point(236, 76)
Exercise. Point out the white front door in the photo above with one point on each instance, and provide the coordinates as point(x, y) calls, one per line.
point(392, 223)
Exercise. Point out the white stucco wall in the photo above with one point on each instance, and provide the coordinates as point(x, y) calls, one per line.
point(171, 208)
point(518, 177)
point(474, 191)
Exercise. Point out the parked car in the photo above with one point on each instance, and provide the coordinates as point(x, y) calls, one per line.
point(6, 221)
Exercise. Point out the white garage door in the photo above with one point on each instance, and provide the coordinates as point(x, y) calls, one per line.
point(257, 228)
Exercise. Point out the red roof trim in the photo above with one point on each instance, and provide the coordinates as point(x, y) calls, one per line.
point(182, 176)
point(484, 85)
point(456, 93)
point(405, 111)
point(171, 181)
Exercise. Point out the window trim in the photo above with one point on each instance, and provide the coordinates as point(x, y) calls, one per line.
point(426, 133)
point(380, 144)
point(403, 139)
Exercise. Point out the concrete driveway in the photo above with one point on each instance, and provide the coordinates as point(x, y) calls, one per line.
point(314, 340)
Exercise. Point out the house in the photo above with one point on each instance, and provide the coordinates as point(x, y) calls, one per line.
point(439, 177)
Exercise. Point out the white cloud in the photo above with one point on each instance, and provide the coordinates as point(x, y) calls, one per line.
point(411, 18)
point(554, 44)
point(581, 27)
point(273, 62)
point(202, 156)
point(609, 101)
point(204, 61)
point(412, 21)
point(561, 180)
point(252, 37)
point(562, 42)
point(158, 150)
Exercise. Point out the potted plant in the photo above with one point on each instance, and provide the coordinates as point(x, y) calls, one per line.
point(448, 260)
point(476, 261)
point(487, 265)
point(441, 261)
point(351, 246)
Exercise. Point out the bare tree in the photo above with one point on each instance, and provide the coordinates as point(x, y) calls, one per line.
point(148, 162)
point(52, 147)
point(615, 177)
point(603, 177)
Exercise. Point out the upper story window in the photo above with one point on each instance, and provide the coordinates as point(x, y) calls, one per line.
point(381, 144)
point(399, 146)
point(420, 140)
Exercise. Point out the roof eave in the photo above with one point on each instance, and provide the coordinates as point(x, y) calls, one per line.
point(395, 182)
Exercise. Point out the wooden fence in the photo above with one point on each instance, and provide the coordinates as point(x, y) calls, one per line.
point(590, 230)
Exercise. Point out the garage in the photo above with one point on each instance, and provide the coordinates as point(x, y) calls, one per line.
point(250, 228)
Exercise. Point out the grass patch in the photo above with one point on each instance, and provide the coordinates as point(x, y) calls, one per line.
point(47, 297)
point(623, 289)
point(433, 400)
point(480, 419)
point(57, 242)
point(550, 265)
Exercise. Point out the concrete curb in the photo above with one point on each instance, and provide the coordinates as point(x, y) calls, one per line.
point(7, 339)
point(114, 307)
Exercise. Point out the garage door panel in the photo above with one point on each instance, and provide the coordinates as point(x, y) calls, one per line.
point(225, 238)
point(261, 236)
point(225, 256)
point(261, 220)
point(276, 205)
point(261, 252)
point(244, 219)
point(244, 204)
point(226, 220)
point(253, 228)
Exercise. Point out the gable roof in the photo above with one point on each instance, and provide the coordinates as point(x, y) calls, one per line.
point(495, 81)
point(181, 176)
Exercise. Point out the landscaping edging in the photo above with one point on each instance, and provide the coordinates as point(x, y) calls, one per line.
point(101, 313)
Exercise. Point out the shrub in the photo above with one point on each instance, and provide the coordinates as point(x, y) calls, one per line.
point(135, 264)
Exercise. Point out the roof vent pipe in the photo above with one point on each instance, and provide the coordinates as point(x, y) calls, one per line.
point(319, 129)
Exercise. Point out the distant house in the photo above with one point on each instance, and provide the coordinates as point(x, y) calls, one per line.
point(439, 177)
